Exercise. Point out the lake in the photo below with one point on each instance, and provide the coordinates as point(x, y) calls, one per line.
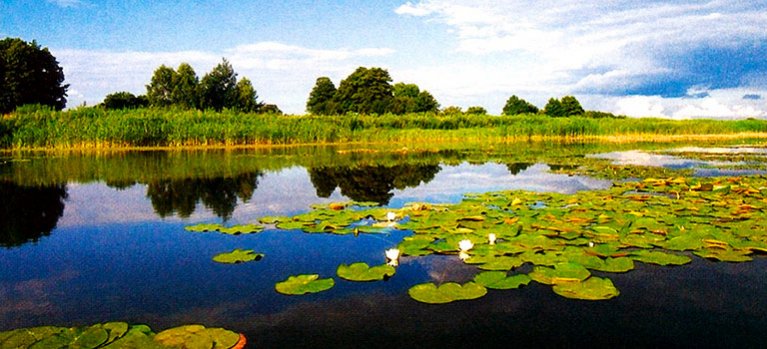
point(97, 237)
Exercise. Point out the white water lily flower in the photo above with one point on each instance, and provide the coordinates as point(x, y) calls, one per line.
point(390, 216)
point(463, 255)
point(392, 255)
point(491, 238)
point(465, 245)
point(591, 244)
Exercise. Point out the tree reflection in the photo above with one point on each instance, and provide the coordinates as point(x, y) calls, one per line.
point(180, 196)
point(28, 213)
point(370, 183)
point(517, 167)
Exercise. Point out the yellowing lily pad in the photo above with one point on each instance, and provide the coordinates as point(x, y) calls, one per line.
point(238, 256)
point(446, 293)
point(303, 284)
point(197, 336)
point(363, 272)
point(593, 288)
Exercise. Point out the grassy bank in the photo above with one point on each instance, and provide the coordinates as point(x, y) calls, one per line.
point(97, 128)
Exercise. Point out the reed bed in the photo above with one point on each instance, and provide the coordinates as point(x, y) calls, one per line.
point(96, 128)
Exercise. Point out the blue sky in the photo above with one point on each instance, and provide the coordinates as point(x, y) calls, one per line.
point(677, 59)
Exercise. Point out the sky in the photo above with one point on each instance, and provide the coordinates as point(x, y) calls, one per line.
point(674, 59)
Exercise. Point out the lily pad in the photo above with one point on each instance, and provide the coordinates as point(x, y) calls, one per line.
point(363, 272)
point(238, 256)
point(499, 280)
point(303, 284)
point(561, 273)
point(725, 255)
point(659, 258)
point(446, 293)
point(203, 228)
point(593, 288)
point(197, 336)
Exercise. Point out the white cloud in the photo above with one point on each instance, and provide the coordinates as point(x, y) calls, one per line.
point(282, 74)
point(719, 103)
point(585, 47)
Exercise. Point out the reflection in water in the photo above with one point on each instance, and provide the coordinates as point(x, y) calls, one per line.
point(169, 196)
point(517, 167)
point(28, 213)
point(370, 183)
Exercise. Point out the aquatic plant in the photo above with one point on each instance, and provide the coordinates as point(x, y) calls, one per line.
point(565, 237)
point(118, 335)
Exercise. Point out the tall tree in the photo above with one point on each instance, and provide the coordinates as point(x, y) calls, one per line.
point(321, 100)
point(160, 89)
point(515, 106)
point(29, 75)
point(554, 108)
point(246, 98)
point(426, 103)
point(185, 87)
point(218, 89)
point(365, 91)
point(571, 106)
point(408, 98)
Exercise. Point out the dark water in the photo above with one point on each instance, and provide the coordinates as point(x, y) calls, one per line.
point(95, 238)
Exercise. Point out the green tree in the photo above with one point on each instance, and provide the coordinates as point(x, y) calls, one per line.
point(124, 100)
point(426, 103)
point(515, 106)
point(160, 90)
point(408, 98)
point(365, 91)
point(554, 108)
point(29, 75)
point(270, 109)
point(321, 99)
point(571, 106)
point(476, 110)
point(218, 89)
point(452, 110)
point(185, 88)
point(246, 99)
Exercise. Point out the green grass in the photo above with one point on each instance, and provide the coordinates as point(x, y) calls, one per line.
point(97, 128)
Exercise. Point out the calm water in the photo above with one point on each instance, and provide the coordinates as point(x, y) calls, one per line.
point(95, 238)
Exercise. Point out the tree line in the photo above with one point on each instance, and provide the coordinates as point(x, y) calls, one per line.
point(31, 75)
point(181, 88)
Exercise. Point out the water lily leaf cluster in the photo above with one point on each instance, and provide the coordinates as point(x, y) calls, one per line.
point(563, 238)
point(118, 335)
point(233, 230)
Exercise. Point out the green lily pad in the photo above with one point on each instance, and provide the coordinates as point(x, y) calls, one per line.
point(303, 284)
point(197, 336)
point(203, 228)
point(561, 273)
point(363, 272)
point(238, 256)
point(241, 229)
point(499, 280)
point(659, 258)
point(446, 293)
point(593, 288)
